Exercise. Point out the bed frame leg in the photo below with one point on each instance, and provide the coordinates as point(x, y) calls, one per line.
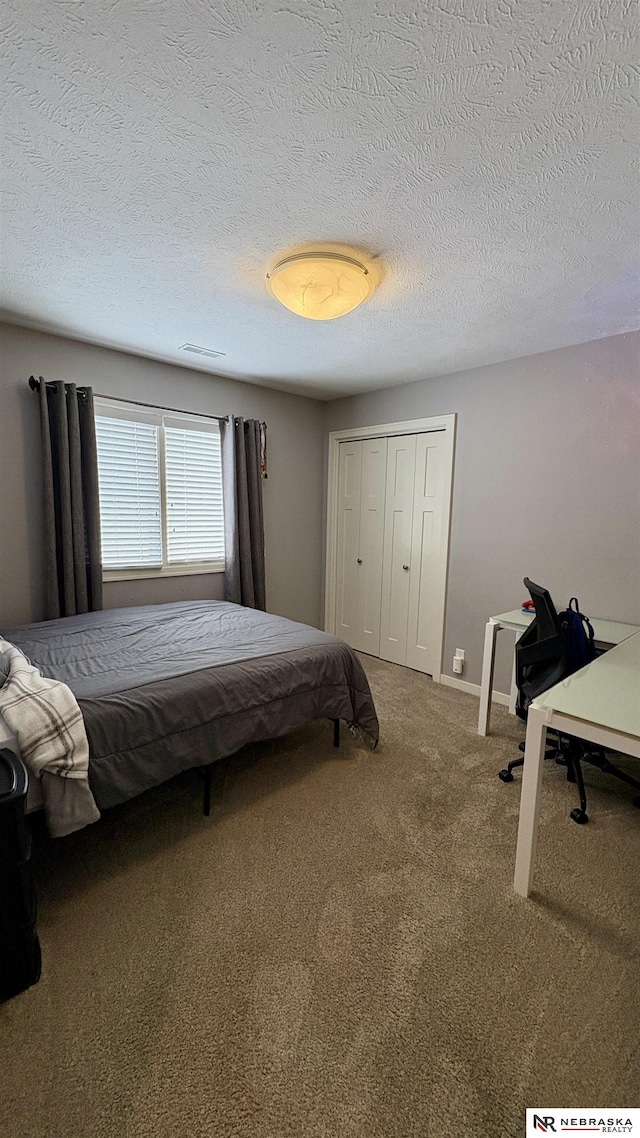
point(206, 797)
point(336, 732)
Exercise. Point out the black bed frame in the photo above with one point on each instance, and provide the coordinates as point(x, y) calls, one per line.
point(206, 771)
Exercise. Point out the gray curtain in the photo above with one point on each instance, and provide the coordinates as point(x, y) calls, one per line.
point(243, 519)
point(73, 560)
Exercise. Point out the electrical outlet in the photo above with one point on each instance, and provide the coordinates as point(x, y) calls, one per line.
point(458, 661)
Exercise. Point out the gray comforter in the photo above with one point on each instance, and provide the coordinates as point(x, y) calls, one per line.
point(166, 687)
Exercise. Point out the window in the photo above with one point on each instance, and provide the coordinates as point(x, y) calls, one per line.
point(160, 479)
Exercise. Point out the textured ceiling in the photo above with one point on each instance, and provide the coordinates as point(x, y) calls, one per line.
point(158, 154)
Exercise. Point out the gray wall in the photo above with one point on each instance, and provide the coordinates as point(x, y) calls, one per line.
point(292, 492)
point(546, 483)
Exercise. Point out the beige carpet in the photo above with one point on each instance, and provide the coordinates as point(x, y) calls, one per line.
point(337, 952)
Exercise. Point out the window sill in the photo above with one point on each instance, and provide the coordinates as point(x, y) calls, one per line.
point(168, 571)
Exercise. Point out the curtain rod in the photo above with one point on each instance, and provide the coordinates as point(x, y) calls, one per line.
point(34, 384)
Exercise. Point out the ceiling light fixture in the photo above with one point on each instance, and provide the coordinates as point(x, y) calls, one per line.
point(320, 284)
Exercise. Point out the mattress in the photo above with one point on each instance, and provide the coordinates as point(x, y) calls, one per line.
point(164, 688)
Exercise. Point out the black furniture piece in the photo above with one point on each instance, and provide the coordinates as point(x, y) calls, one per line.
point(19, 945)
point(542, 660)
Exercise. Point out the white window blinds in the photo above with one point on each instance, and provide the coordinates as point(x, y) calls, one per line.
point(195, 522)
point(129, 482)
point(160, 480)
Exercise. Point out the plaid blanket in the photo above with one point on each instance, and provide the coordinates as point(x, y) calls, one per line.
point(45, 718)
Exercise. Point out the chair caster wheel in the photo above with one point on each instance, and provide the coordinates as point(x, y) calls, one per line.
point(579, 816)
point(505, 775)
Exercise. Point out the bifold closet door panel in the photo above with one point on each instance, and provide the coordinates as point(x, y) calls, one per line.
point(427, 556)
point(396, 568)
point(372, 506)
point(349, 503)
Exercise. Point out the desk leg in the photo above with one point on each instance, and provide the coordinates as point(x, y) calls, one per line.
point(513, 694)
point(530, 800)
point(491, 631)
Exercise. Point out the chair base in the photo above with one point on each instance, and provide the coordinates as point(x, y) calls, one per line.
point(566, 754)
point(552, 752)
point(579, 816)
point(597, 758)
point(571, 754)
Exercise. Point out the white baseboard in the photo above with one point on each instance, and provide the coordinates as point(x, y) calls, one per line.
point(473, 689)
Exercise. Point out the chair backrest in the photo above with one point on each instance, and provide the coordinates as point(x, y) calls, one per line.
point(546, 617)
point(541, 652)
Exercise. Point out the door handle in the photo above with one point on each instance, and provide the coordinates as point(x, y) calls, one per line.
point(405, 566)
point(359, 561)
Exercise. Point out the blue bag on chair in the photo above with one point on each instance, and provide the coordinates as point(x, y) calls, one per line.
point(579, 637)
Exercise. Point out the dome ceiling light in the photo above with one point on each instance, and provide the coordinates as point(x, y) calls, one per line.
point(320, 284)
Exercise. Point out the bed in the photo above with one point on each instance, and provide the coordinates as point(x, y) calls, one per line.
point(164, 688)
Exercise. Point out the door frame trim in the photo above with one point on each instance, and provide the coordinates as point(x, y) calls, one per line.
point(441, 423)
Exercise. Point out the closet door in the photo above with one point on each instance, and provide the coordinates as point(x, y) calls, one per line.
point(347, 568)
point(396, 570)
point(372, 505)
point(428, 555)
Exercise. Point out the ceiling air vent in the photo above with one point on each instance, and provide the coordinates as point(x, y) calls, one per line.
point(201, 351)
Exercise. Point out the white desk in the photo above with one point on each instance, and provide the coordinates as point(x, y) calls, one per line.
point(600, 703)
point(606, 632)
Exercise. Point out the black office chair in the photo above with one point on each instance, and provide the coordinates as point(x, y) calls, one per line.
point(542, 661)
